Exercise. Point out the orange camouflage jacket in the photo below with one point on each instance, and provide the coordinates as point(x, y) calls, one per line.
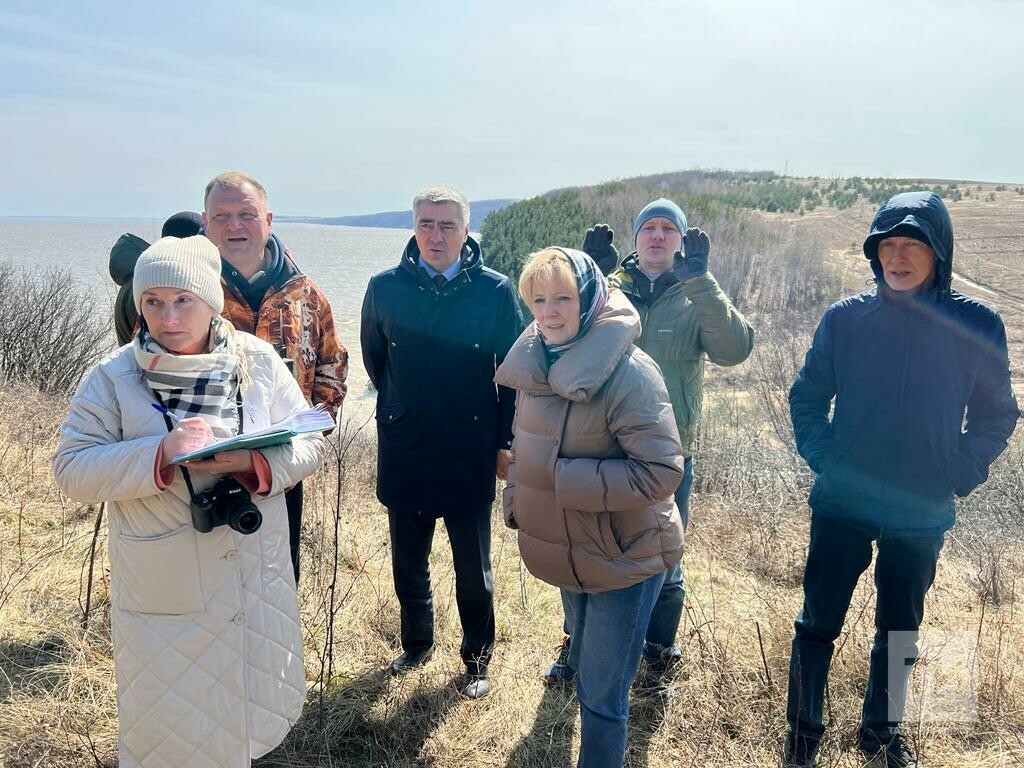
point(295, 316)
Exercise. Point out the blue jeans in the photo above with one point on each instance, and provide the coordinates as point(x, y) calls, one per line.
point(668, 611)
point(607, 631)
point(837, 556)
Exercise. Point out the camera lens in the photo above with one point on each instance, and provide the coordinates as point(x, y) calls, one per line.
point(226, 502)
point(246, 520)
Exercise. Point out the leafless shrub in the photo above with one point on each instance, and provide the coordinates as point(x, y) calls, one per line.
point(776, 361)
point(990, 527)
point(51, 330)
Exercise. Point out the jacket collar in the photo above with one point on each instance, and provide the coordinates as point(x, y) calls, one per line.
point(584, 368)
point(633, 282)
point(280, 269)
point(472, 261)
point(912, 302)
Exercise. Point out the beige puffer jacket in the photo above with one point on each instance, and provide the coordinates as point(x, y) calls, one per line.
point(596, 458)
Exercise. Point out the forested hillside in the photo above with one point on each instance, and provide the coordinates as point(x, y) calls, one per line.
point(561, 217)
point(724, 204)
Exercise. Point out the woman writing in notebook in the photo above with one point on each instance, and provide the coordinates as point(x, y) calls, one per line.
point(207, 645)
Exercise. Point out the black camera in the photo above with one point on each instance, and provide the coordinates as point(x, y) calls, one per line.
point(226, 503)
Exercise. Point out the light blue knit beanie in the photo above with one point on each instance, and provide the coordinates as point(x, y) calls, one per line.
point(660, 207)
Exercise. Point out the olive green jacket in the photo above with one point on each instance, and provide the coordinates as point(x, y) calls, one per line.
point(682, 323)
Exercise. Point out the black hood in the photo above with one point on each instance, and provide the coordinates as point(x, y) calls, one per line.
point(923, 216)
point(123, 255)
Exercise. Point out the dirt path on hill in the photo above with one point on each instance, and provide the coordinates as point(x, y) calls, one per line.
point(988, 253)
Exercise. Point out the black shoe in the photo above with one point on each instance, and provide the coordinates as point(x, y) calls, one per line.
point(559, 672)
point(661, 659)
point(887, 752)
point(410, 660)
point(799, 751)
point(655, 669)
point(476, 683)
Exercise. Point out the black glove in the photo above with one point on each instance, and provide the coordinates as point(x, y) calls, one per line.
point(696, 247)
point(598, 245)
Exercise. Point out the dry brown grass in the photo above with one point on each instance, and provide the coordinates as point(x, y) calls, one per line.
point(743, 563)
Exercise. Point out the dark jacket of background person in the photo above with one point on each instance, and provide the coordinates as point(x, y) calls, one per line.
point(903, 370)
point(431, 353)
point(596, 458)
point(681, 323)
point(123, 255)
point(295, 317)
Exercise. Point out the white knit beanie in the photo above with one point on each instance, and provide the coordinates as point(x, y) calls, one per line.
point(189, 263)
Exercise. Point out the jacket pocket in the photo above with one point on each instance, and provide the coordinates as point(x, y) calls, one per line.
point(609, 542)
point(508, 506)
point(397, 433)
point(389, 413)
point(962, 476)
point(160, 574)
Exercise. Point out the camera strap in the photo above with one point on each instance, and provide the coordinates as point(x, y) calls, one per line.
point(170, 428)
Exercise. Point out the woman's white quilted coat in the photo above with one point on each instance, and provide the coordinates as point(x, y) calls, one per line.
point(207, 643)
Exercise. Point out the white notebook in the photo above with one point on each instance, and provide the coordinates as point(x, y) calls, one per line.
point(315, 419)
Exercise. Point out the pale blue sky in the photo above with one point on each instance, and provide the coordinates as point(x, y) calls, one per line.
point(127, 109)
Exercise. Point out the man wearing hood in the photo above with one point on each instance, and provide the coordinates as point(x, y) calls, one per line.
point(685, 318)
point(434, 329)
point(903, 401)
point(266, 295)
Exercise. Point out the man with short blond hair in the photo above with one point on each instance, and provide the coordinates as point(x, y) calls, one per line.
point(686, 319)
point(434, 329)
point(267, 295)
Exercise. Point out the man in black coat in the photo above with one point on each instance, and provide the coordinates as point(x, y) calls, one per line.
point(434, 329)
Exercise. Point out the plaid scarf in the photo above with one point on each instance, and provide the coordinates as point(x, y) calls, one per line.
point(593, 290)
point(194, 385)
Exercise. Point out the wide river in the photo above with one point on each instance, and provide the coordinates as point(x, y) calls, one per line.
point(340, 259)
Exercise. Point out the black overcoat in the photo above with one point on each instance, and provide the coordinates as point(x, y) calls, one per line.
point(431, 353)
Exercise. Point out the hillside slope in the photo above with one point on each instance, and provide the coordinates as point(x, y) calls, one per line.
point(744, 558)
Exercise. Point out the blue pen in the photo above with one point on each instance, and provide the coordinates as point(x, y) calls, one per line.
point(165, 412)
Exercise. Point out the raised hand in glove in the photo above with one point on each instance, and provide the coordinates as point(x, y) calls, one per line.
point(597, 244)
point(696, 247)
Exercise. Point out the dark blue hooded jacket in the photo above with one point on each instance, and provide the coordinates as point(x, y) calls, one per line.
point(921, 384)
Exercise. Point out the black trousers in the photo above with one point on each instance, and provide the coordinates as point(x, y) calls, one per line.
point(904, 571)
point(469, 531)
point(293, 502)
